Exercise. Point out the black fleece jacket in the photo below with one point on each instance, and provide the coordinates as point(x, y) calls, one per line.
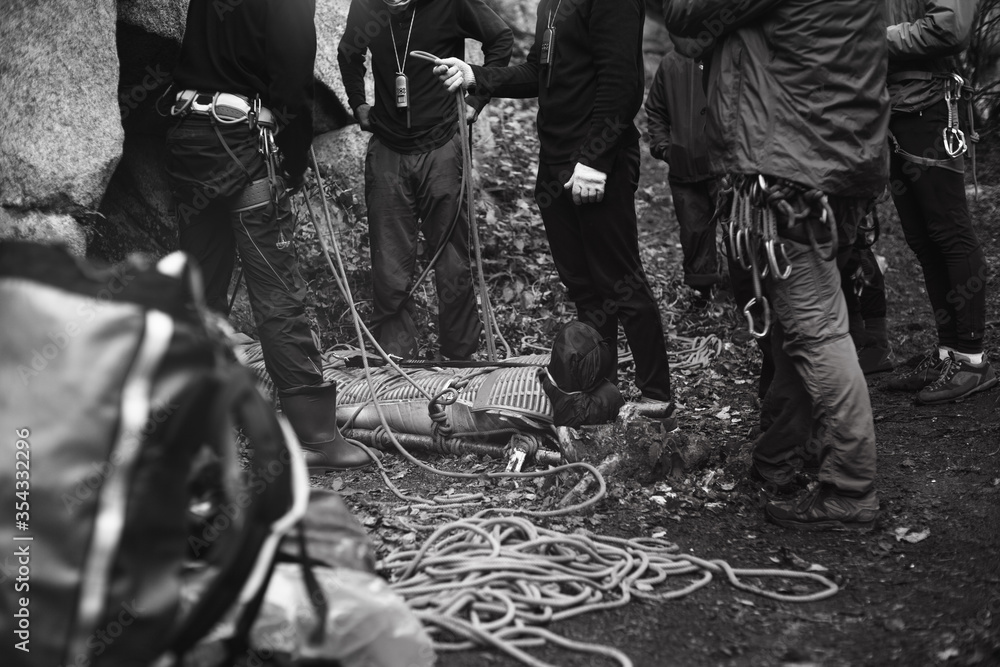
point(256, 47)
point(440, 27)
point(587, 108)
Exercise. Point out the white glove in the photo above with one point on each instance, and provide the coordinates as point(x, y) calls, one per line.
point(586, 184)
point(455, 74)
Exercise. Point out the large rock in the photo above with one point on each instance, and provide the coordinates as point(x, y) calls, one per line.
point(50, 228)
point(60, 132)
point(519, 14)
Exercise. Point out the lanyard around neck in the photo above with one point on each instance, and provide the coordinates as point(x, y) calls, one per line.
point(406, 50)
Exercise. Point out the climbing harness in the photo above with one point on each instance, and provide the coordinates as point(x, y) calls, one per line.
point(955, 141)
point(757, 205)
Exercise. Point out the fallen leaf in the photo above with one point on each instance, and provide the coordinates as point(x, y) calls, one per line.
point(913, 538)
point(816, 567)
point(948, 653)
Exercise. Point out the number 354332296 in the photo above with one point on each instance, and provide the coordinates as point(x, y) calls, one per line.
point(22, 473)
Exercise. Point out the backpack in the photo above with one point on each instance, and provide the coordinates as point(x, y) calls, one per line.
point(120, 401)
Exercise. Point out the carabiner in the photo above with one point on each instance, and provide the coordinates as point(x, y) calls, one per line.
point(828, 218)
point(743, 249)
point(954, 141)
point(772, 260)
point(766, 316)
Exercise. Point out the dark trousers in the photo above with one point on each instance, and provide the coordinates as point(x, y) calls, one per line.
point(205, 181)
point(934, 215)
point(595, 248)
point(694, 205)
point(407, 194)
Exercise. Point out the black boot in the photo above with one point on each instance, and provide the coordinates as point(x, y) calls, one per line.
point(312, 412)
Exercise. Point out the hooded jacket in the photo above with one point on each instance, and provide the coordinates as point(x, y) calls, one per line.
point(925, 36)
point(796, 88)
point(676, 113)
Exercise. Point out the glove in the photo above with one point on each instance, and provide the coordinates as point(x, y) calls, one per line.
point(455, 74)
point(586, 184)
point(363, 115)
point(471, 114)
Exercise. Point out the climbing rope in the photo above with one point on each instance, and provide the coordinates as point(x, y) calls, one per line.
point(495, 581)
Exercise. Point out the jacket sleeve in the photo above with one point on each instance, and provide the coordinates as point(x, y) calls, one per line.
point(658, 114)
point(515, 81)
point(614, 24)
point(478, 21)
point(351, 55)
point(290, 45)
point(944, 30)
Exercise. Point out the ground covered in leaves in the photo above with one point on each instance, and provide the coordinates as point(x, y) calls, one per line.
point(921, 588)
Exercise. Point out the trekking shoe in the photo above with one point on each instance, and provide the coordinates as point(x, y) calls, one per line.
point(959, 378)
point(822, 508)
point(924, 373)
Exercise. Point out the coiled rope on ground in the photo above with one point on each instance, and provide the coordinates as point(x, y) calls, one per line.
point(493, 581)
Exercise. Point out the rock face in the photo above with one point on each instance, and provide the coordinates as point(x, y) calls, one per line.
point(60, 133)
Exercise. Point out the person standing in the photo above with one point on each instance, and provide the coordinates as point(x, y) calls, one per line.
point(675, 110)
point(245, 77)
point(586, 69)
point(413, 167)
point(798, 115)
point(928, 188)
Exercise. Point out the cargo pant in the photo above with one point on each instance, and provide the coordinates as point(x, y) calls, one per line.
point(818, 401)
point(206, 181)
point(406, 194)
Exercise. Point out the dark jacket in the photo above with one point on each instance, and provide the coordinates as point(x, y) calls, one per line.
point(925, 36)
point(676, 113)
point(256, 47)
point(440, 27)
point(587, 108)
point(796, 88)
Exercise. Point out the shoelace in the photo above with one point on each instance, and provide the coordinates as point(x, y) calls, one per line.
point(948, 370)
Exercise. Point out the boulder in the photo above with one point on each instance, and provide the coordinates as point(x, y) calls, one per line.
point(60, 133)
point(51, 228)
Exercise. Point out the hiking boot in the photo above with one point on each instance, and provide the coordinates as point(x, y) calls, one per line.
point(959, 378)
point(927, 370)
point(822, 508)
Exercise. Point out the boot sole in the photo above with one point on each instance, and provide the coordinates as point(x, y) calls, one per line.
point(831, 524)
point(979, 387)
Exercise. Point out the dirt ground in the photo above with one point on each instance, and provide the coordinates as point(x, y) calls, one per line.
point(921, 588)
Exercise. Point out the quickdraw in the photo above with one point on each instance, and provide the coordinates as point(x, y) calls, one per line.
point(755, 208)
point(954, 138)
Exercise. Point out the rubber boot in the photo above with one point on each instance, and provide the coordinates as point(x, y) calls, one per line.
point(312, 412)
point(874, 357)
